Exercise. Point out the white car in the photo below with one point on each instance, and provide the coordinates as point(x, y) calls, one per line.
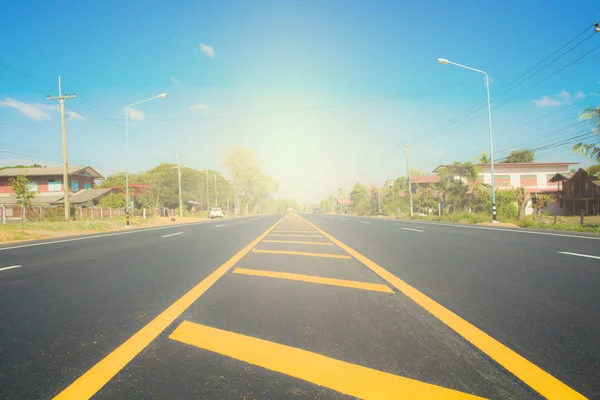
point(216, 213)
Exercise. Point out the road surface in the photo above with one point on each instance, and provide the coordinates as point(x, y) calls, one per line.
point(302, 306)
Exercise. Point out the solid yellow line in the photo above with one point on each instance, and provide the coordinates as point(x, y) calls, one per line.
point(297, 242)
point(300, 253)
point(280, 235)
point(96, 377)
point(538, 379)
point(376, 287)
point(351, 379)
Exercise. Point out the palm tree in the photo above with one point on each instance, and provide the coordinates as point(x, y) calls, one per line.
point(484, 159)
point(591, 150)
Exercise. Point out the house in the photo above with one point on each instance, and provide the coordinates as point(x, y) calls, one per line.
point(424, 181)
point(47, 182)
point(533, 177)
point(578, 192)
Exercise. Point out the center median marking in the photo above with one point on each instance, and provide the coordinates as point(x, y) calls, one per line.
point(376, 287)
point(301, 253)
point(350, 379)
point(532, 375)
point(100, 374)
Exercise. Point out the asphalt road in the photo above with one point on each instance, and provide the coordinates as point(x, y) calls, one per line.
point(309, 306)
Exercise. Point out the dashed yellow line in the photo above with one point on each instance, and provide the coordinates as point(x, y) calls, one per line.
point(532, 375)
point(376, 287)
point(301, 253)
point(351, 379)
point(297, 242)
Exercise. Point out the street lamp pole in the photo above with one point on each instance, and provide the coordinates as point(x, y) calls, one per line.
point(160, 96)
point(378, 173)
point(487, 85)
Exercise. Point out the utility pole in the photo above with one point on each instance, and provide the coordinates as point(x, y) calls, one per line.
point(61, 99)
point(207, 198)
point(179, 177)
point(216, 198)
point(406, 149)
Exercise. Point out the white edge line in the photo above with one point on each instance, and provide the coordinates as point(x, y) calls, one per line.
point(413, 230)
point(11, 267)
point(172, 234)
point(88, 237)
point(218, 226)
point(578, 255)
point(364, 222)
point(516, 230)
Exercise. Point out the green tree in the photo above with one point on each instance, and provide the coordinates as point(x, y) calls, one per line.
point(594, 170)
point(358, 193)
point(591, 150)
point(484, 158)
point(251, 187)
point(112, 200)
point(22, 166)
point(21, 187)
point(520, 156)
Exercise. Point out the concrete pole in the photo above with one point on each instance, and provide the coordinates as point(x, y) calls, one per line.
point(61, 99)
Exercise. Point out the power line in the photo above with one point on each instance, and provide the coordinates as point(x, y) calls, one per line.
point(499, 93)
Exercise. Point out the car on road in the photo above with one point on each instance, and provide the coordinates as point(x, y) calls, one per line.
point(290, 209)
point(316, 210)
point(216, 213)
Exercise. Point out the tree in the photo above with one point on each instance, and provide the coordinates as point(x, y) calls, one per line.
point(112, 200)
point(358, 194)
point(484, 158)
point(594, 170)
point(22, 166)
point(591, 150)
point(520, 156)
point(251, 187)
point(21, 187)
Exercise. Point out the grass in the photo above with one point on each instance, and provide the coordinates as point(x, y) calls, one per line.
point(570, 223)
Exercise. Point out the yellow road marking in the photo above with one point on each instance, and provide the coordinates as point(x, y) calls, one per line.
point(297, 242)
point(286, 232)
point(293, 235)
point(351, 379)
point(96, 377)
point(376, 287)
point(301, 253)
point(538, 379)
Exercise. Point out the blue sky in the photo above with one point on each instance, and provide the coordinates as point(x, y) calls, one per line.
point(299, 82)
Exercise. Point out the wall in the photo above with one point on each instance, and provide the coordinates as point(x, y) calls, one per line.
point(542, 175)
point(42, 183)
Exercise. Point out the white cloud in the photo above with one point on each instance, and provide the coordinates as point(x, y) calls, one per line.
point(136, 115)
point(33, 111)
point(208, 50)
point(175, 80)
point(199, 107)
point(564, 94)
point(546, 101)
point(580, 95)
point(55, 107)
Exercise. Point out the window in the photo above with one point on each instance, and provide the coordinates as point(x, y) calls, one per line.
point(54, 185)
point(502, 180)
point(75, 186)
point(529, 180)
point(32, 186)
point(87, 185)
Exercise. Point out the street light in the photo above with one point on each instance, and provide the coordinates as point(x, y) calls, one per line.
point(487, 85)
point(378, 172)
point(159, 96)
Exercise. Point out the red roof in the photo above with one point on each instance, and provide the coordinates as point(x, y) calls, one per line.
point(425, 179)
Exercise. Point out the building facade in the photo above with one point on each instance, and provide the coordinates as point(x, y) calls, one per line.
point(50, 179)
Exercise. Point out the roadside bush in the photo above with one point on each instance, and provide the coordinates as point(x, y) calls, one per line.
point(506, 205)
